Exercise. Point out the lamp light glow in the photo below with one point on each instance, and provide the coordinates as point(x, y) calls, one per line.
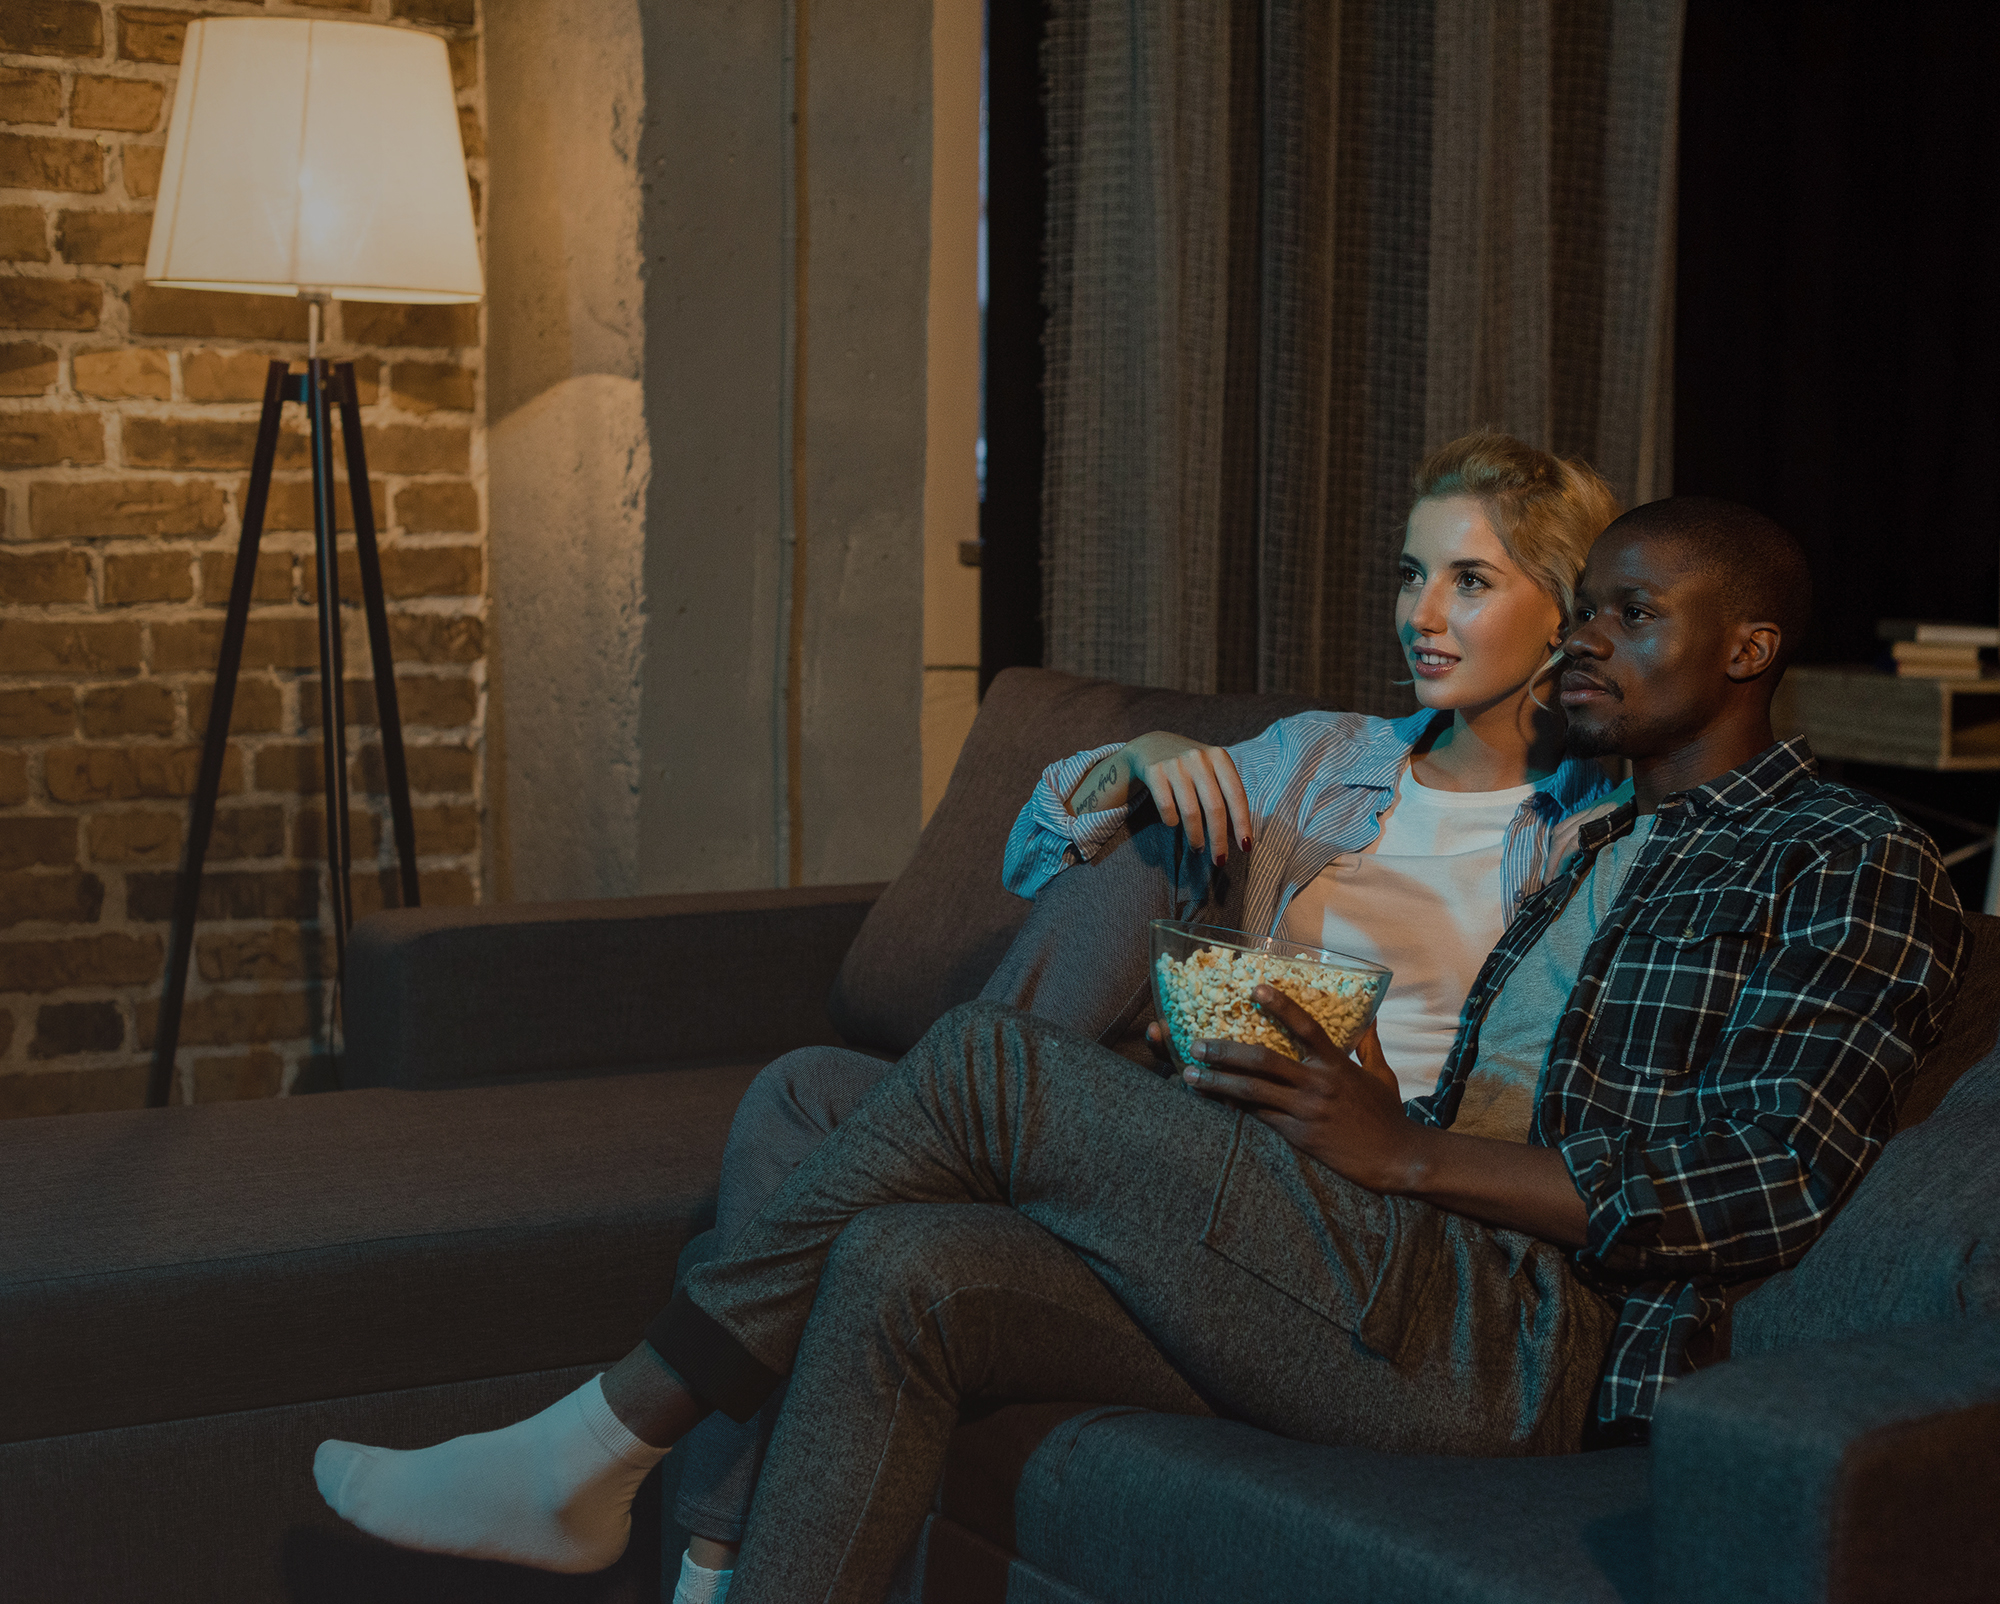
point(315, 158)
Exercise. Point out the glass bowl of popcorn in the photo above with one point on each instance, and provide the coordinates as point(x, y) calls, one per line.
point(1203, 976)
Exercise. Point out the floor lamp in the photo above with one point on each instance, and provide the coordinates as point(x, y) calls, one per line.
point(317, 159)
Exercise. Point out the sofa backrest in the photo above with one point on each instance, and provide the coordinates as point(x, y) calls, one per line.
point(1919, 1240)
point(940, 929)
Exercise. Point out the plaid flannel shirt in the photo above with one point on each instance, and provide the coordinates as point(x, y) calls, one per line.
point(1742, 1027)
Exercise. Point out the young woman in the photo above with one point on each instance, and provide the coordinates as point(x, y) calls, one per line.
point(1406, 841)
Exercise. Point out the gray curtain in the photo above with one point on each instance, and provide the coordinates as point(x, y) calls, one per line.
point(1294, 246)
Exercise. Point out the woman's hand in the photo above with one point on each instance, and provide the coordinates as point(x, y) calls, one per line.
point(1194, 786)
point(1348, 1114)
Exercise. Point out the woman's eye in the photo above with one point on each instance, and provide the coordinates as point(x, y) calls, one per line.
point(1410, 576)
point(1471, 582)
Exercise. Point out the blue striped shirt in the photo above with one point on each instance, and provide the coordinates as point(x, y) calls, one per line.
point(1317, 784)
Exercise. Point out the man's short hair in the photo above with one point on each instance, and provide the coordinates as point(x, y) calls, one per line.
point(1758, 561)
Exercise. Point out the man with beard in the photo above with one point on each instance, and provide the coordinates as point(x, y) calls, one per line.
point(1678, 1062)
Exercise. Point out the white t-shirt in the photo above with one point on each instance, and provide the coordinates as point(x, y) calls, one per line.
point(1424, 899)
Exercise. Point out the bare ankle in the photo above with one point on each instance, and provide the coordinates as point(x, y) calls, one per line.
point(711, 1555)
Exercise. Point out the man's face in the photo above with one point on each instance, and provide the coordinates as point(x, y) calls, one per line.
point(1648, 652)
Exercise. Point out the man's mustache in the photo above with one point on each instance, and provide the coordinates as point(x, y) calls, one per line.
point(1575, 679)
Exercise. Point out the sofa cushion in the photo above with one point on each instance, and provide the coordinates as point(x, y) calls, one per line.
point(1920, 1238)
point(934, 936)
point(166, 1263)
point(1130, 1508)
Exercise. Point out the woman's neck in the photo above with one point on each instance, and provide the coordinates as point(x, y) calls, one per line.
point(1491, 748)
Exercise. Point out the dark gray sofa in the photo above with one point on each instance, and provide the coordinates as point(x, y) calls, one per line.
point(538, 1096)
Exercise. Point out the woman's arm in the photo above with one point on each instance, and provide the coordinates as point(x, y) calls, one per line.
point(1194, 786)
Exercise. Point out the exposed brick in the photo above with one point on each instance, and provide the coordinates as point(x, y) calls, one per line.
point(449, 13)
point(65, 646)
point(42, 161)
point(382, 323)
point(435, 701)
point(364, 835)
point(74, 898)
point(272, 584)
point(259, 706)
point(291, 504)
point(107, 960)
point(148, 35)
point(38, 710)
point(434, 770)
point(275, 952)
point(223, 375)
point(225, 1018)
point(135, 837)
point(243, 835)
point(228, 894)
point(13, 778)
point(122, 773)
point(132, 372)
point(52, 28)
point(48, 439)
point(27, 96)
point(44, 576)
point(204, 443)
point(130, 105)
point(48, 842)
point(339, 5)
point(50, 303)
point(238, 1077)
point(464, 53)
point(447, 831)
point(432, 638)
point(405, 448)
point(350, 575)
point(72, 1091)
point(26, 368)
point(142, 165)
point(63, 1030)
point(6, 1041)
point(205, 315)
point(431, 386)
point(439, 509)
point(267, 643)
point(471, 137)
point(153, 576)
point(137, 707)
point(24, 233)
point(114, 509)
point(432, 571)
point(115, 239)
point(294, 767)
point(447, 888)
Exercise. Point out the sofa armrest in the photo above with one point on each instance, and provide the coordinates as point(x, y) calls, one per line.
point(530, 991)
point(1865, 1469)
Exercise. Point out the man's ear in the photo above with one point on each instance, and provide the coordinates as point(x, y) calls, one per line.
point(1753, 650)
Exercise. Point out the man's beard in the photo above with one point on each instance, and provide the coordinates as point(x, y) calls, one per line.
point(1602, 740)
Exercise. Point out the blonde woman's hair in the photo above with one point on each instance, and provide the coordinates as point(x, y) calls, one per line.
point(1547, 511)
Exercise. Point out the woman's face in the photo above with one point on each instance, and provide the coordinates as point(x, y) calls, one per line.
point(1474, 628)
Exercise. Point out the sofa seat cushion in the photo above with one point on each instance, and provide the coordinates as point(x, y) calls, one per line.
point(1130, 1507)
point(939, 931)
point(167, 1263)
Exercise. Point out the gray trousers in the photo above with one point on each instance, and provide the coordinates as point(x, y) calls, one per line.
point(1014, 1212)
point(1082, 960)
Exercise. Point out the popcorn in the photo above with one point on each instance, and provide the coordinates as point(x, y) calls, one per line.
point(1206, 997)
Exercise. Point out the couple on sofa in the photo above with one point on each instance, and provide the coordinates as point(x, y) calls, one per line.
point(1660, 1035)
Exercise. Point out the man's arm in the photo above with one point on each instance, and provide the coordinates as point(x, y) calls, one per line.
point(1331, 1107)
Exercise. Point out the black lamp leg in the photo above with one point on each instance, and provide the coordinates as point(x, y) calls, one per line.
point(389, 717)
point(332, 695)
point(278, 388)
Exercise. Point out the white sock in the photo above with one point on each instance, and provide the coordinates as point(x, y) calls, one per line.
point(700, 1585)
point(553, 1491)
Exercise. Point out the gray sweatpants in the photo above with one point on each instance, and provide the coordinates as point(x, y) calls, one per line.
point(1015, 1212)
point(1082, 960)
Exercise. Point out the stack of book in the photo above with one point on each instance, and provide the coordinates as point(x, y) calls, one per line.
point(1937, 651)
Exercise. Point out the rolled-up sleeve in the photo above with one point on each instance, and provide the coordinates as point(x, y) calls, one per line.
point(1047, 838)
point(1799, 1092)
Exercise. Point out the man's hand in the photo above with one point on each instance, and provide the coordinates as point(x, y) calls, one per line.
point(1195, 787)
point(1349, 1115)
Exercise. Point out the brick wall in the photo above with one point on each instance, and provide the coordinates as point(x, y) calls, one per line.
point(126, 421)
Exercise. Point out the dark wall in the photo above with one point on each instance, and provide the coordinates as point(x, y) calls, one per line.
point(1837, 354)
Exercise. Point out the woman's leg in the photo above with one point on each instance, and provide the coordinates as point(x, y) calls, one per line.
point(924, 1308)
point(787, 1112)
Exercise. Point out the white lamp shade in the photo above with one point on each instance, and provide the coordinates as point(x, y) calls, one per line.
point(317, 157)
